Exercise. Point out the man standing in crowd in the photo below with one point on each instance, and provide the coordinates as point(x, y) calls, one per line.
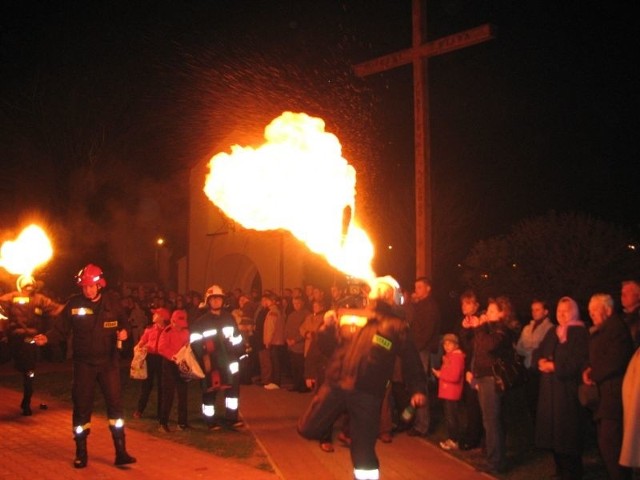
point(96, 322)
point(26, 312)
point(531, 336)
point(630, 300)
point(424, 321)
point(218, 345)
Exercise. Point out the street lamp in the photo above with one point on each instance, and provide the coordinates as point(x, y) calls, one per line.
point(159, 244)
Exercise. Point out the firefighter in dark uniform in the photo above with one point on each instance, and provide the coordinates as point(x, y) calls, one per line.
point(96, 321)
point(218, 345)
point(368, 341)
point(27, 313)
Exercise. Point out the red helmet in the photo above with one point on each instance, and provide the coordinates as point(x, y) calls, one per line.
point(91, 275)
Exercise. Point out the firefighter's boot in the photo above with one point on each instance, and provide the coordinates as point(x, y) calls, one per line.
point(27, 392)
point(81, 448)
point(122, 457)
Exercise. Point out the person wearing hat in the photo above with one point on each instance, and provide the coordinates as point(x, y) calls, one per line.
point(450, 383)
point(218, 345)
point(150, 340)
point(26, 311)
point(367, 343)
point(97, 325)
point(173, 338)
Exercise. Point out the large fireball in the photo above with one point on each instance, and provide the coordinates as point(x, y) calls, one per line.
point(297, 181)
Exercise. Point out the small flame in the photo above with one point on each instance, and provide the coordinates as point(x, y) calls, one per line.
point(31, 249)
point(296, 181)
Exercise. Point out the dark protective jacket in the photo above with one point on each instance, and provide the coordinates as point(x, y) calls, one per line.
point(94, 326)
point(217, 343)
point(364, 359)
point(27, 314)
point(610, 349)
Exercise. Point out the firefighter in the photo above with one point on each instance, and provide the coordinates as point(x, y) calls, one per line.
point(367, 342)
point(27, 312)
point(96, 321)
point(219, 347)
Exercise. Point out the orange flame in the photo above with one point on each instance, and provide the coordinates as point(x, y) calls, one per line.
point(31, 249)
point(298, 181)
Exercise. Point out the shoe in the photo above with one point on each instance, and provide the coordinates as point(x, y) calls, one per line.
point(236, 424)
point(326, 447)
point(415, 433)
point(137, 414)
point(184, 428)
point(346, 441)
point(385, 437)
point(271, 386)
point(449, 445)
point(164, 428)
point(214, 427)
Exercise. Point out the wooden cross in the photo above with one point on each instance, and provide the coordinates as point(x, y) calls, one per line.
point(417, 55)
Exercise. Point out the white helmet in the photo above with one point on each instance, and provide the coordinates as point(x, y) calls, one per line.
point(386, 288)
point(25, 282)
point(213, 291)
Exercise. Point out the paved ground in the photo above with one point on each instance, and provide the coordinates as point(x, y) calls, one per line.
point(41, 447)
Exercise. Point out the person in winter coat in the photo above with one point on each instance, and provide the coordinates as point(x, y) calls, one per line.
point(561, 358)
point(173, 338)
point(610, 349)
point(450, 383)
point(149, 341)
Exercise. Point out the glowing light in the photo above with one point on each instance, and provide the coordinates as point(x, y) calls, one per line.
point(297, 181)
point(28, 251)
point(160, 241)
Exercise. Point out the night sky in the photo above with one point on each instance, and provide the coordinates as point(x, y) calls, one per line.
point(104, 107)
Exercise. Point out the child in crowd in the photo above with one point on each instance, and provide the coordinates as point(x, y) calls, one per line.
point(450, 383)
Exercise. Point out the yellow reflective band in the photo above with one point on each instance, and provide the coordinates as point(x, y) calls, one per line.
point(112, 324)
point(81, 311)
point(81, 428)
point(383, 342)
point(21, 300)
point(235, 341)
point(194, 337)
point(234, 367)
point(116, 422)
point(231, 403)
point(209, 333)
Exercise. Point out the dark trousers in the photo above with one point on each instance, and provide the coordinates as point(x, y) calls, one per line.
point(296, 360)
point(229, 393)
point(154, 375)
point(363, 410)
point(85, 377)
point(610, 444)
point(474, 428)
point(172, 382)
point(452, 418)
point(277, 355)
point(568, 467)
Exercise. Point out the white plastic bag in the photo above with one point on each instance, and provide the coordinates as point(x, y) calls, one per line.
point(138, 370)
point(188, 364)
